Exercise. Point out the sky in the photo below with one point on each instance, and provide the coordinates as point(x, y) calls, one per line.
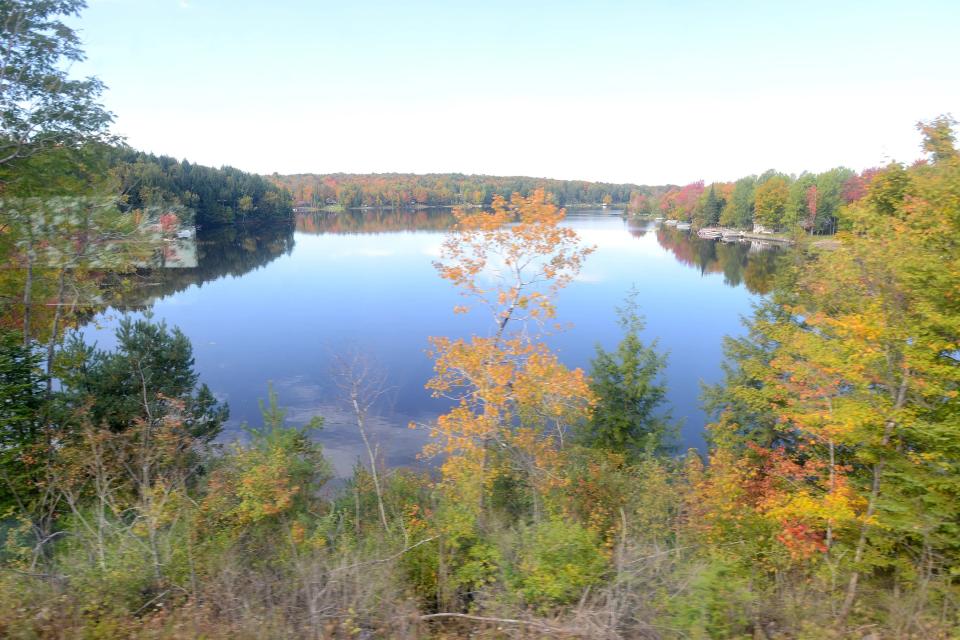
point(641, 92)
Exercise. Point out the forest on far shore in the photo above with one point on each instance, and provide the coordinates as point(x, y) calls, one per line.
point(348, 190)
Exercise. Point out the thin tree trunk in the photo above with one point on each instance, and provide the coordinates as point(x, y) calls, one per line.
point(103, 488)
point(28, 295)
point(51, 344)
point(833, 482)
point(356, 506)
point(535, 494)
point(851, 594)
point(373, 459)
point(146, 479)
point(482, 481)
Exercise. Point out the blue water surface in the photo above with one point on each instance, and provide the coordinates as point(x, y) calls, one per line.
point(280, 305)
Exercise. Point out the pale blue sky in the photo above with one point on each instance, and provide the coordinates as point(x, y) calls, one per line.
point(646, 92)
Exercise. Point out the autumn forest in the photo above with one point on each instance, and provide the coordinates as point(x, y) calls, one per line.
point(547, 500)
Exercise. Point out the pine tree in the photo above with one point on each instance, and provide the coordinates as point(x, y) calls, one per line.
point(630, 393)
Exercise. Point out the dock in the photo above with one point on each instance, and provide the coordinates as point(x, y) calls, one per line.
point(736, 235)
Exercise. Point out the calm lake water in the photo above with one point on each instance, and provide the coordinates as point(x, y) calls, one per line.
point(278, 304)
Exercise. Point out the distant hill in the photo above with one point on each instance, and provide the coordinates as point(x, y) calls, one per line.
point(215, 196)
point(443, 189)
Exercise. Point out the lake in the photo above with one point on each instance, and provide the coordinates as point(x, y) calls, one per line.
point(278, 304)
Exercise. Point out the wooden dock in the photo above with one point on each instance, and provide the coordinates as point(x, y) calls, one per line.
point(735, 235)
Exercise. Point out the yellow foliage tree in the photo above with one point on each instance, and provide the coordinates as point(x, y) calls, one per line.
point(513, 399)
point(855, 381)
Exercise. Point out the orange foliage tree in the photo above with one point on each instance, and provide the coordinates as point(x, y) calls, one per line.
point(513, 399)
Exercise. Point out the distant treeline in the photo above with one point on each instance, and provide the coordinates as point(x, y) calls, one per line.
point(444, 189)
point(215, 196)
point(772, 200)
point(775, 201)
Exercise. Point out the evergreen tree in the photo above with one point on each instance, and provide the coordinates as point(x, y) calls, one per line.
point(629, 416)
point(150, 375)
point(712, 207)
point(22, 400)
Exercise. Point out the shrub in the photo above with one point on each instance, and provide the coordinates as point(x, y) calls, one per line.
point(557, 560)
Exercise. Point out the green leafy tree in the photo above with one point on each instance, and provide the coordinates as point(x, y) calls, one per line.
point(264, 495)
point(939, 138)
point(802, 203)
point(829, 198)
point(738, 212)
point(58, 211)
point(887, 188)
point(41, 107)
point(742, 402)
point(770, 202)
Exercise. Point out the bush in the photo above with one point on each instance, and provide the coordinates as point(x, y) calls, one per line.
point(718, 603)
point(556, 562)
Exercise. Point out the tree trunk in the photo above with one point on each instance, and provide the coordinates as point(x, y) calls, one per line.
point(51, 344)
point(373, 460)
point(28, 295)
point(833, 486)
point(851, 596)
